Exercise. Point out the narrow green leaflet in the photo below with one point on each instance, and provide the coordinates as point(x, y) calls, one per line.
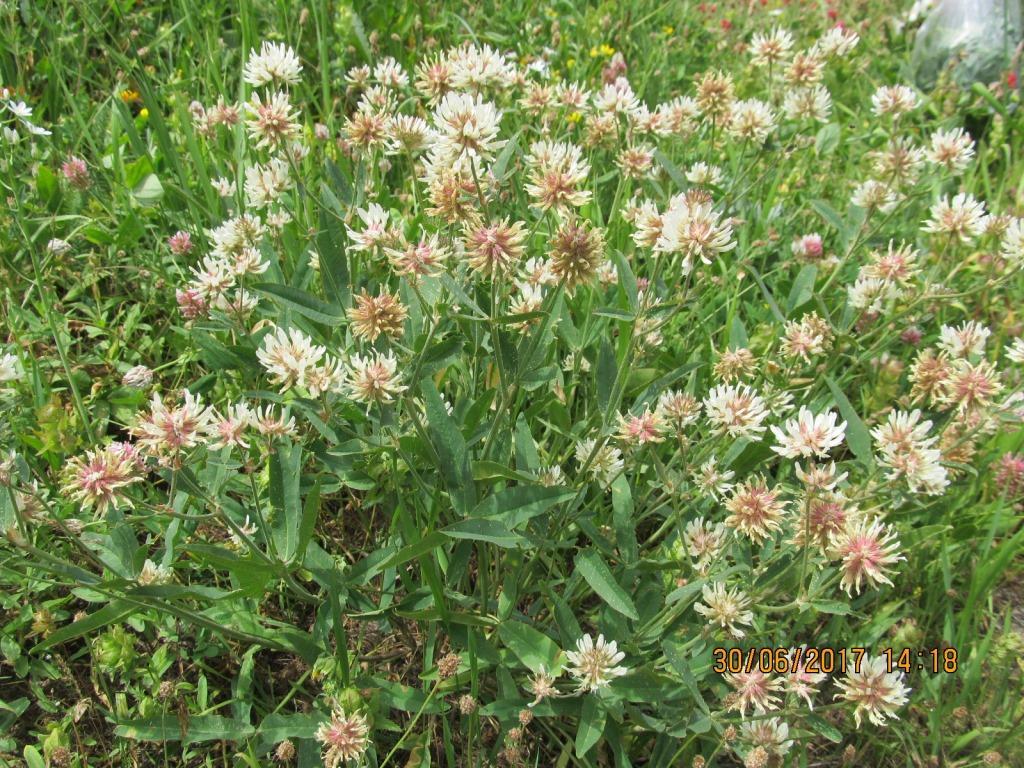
point(531, 646)
point(596, 573)
point(857, 435)
point(482, 529)
point(520, 503)
point(591, 725)
point(451, 449)
point(306, 304)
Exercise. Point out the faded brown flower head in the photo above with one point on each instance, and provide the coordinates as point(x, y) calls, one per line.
point(495, 247)
point(285, 752)
point(375, 316)
point(577, 252)
point(715, 94)
point(448, 666)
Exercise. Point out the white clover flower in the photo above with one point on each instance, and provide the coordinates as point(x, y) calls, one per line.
point(1015, 352)
point(617, 97)
point(695, 230)
point(905, 448)
point(275, 63)
point(703, 174)
point(770, 49)
point(138, 377)
point(478, 68)
point(966, 341)
point(1012, 245)
point(375, 228)
point(272, 122)
point(874, 690)
point(10, 368)
point(153, 574)
point(264, 184)
point(737, 410)
point(58, 247)
point(605, 463)
point(725, 607)
point(390, 74)
point(374, 378)
point(712, 481)
point(593, 663)
point(811, 104)
point(467, 128)
point(838, 42)
point(289, 356)
point(809, 435)
point(874, 195)
point(751, 120)
point(866, 549)
point(952, 150)
point(893, 100)
point(962, 217)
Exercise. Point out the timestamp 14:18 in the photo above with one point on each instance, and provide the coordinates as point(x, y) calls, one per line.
point(933, 660)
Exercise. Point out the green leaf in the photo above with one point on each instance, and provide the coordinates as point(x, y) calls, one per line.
point(32, 758)
point(627, 280)
point(450, 446)
point(622, 518)
point(772, 304)
point(591, 725)
point(825, 728)
point(521, 503)
point(149, 191)
point(596, 573)
point(829, 214)
point(527, 458)
point(416, 549)
point(440, 355)
point(501, 162)
point(655, 387)
point(47, 185)
point(304, 303)
point(531, 646)
point(606, 372)
point(333, 260)
point(737, 334)
point(482, 529)
point(827, 140)
point(199, 728)
point(285, 473)
point(615, 314)
point(857, 435)
point(831, 606)
point(111, 613)
point(803, 287)
point(671, 169)
point(310, 512)
point(276, 728)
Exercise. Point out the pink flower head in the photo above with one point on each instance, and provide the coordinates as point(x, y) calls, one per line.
point(76, 172)
point(180, 243)
point(191, 303)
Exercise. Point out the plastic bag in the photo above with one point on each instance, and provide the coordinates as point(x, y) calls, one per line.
point(975, 38)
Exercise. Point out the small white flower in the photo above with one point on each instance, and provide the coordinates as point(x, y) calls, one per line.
point(153, 574)
point(893, 100)
point(736, 409)
point(593, 662)
point(10, 368)
point(966, 341)
point(275, 62)
point(874, 690)
point(809, 435)
point(725, 607)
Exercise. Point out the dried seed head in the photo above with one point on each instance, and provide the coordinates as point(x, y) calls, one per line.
point(577, 252)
